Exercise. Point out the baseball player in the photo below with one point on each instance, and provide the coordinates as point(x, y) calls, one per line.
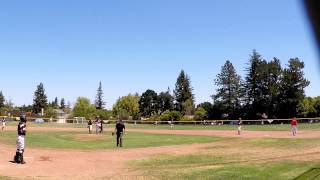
point(18, 158)
point(294, 124)
point(239, 126)
point(98, 124)
point(120, 130)
point(90, 126)
point(101, 126)
point(3, 123)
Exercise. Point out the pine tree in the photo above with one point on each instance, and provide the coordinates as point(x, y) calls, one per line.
point(62, 104)
point(40, 99)
point(148, 103)
point(256, 86)
point(55, 103)
point(228, 93)
point(2, 100)
point(165, 101)
point(99, 98)
point(183, 93)
point(292, 88)
point(273, 84)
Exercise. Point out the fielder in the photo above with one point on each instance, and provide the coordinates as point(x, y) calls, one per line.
point(294, 124)
point(3, 123)
point(98, 125)
point(90, 126)
point(18, 158)
point(239, 126)
point(120, 130)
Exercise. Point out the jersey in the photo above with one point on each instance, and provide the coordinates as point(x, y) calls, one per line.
point(294, 122)
point(89, 123)
point(120, 127)
point(22, 128)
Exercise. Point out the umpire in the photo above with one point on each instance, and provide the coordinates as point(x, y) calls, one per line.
point(120, 130)
point(18, 158)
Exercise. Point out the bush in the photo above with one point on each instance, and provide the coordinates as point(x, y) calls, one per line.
point(170, 116)
point(50, 113)
point(175, 115)
point(103, 113)
point(165, 116)
point(200, 114)
point(123, 114)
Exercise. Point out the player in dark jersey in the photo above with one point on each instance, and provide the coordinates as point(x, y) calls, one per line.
point(120, 130)
point(18, 158)
point(90, 126)
point(3, 123)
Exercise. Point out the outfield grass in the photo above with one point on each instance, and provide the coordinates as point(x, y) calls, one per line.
point(211, 167)
point(313, 173)
point(266, 127)
point(262, 158)
point(6, 178)
point(70, 140)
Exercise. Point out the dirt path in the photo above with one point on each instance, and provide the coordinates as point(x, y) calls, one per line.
point(222, 133)
point(108, 164)
point(74, 164)
point(228, 133)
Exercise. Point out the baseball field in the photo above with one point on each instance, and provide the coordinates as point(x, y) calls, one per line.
point(56, 151)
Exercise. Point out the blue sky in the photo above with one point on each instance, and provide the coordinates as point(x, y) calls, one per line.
point(136, 45)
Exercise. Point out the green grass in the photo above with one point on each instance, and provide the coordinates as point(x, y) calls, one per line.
point(211, 167)
point(313, 173)
point(264, 162)
point(67, 140)
point(206, 167)
point(266, 127)
point(6, 178)
point(281, 143)
point(282, 170)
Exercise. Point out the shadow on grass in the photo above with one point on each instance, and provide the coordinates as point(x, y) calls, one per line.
point(312, 174)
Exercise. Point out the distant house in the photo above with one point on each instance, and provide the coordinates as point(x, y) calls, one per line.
point(61, 116)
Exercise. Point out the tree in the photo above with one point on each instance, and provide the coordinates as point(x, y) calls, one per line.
point(40, 99)
point(50, 113)
point(170, 116)
point(148, 103)
point(83, 108)
point(55, 103)
point(208, 107)
point(292, 88)
point(103, 113)
point(316, 106)
point(257, 96)
point(228, 93)
point(99, 98)
point(188, 107)
point(272, 86)
point(306, 107)
point(127, 105)
point(62, 104)
point(183, 92)
point(165, 101)
point(200, 113)
point(2, 100)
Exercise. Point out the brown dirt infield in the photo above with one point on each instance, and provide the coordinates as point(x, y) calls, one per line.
point(111, 164)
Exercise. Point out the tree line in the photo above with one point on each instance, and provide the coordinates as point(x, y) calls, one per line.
point(268, 90)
